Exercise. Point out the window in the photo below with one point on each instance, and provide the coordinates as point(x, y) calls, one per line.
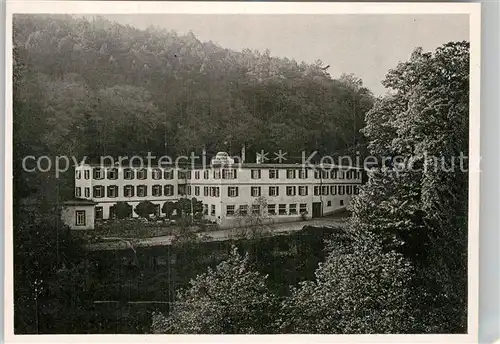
point(317, 174)
point(128, 174)
point(112, 191)
point(196, 190)
point(282, 209)
point(80, 217)
point(333, 190)
point(255, 191)
point(302, 174)
point(324, 174)
point(216, 174)
point(181, 175)
point(196, 174)
point(98, 174)
point(232, 191)
point(303, 208)
point(341, 202)
point(290, 174)
point(205, 190)
point(188, 175)
point(341, 189)
point(290, 190)
point(273, 174)
point(333, 174)
point(156, 174)
point(341, 175)
point(303, 190)
point(292, 209)
point(78, 174)
point(98, 191)
point(98, 213)
point(86, 174)
point(348, 189)
point(128, 191)
point(212, 210)
point(243, 210)
point(324, 190)
point(168, 174)
point(358, 175)
point(274, 191)
point(348, 175)
point(205, 174)
point(229, 173)
point(230, 210)
point(142, 174)
point(87, 192)
point(205, 209)
point(271, 209)
point(142, 190)
point(181, 190)
point(316, 191)
point(156, 190)
point(329, 203)
point(255, 174)
point(188, 189)
point(168, 190)
point(256, 209)
point(78, 192)
point(214, 191)
point(112, 173)
point(356, 189)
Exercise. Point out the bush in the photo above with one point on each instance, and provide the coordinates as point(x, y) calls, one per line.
point(145, 209)
point(122, 210)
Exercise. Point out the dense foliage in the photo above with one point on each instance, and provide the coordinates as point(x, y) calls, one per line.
point(359, 288)
point(230, 299)
point(402, 265)
point(49, 272)
point(99, 88)
point(417, 203)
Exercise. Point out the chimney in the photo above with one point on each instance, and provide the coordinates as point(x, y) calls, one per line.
point(243, 154)
point(204, 157)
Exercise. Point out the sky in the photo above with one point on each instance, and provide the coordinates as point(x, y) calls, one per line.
point(365, 45)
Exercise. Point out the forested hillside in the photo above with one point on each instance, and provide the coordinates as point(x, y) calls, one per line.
point(94, 87)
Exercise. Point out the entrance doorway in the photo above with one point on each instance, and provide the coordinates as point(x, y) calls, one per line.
point(316, 210)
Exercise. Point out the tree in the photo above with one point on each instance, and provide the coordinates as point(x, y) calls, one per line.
point(38, 306)
point(197, 208)
point(256, 218)
point(122, 210)
point(110, 89)
point(145, 209)
point(230, 299)
point(421, 194)
point(168, 208)
point(358, 289)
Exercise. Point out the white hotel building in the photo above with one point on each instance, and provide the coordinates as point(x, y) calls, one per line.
point(290, 191)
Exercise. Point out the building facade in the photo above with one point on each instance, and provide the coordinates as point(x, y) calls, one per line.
point(79, 214)
point(231, 195)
